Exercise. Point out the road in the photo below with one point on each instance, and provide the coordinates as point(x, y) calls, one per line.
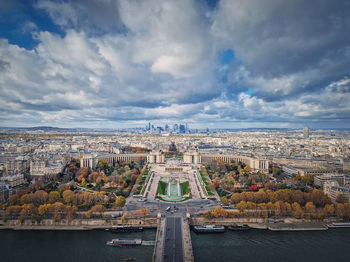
point(155, 206)
point(173, 240)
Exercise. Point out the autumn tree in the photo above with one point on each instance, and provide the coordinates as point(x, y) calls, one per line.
point(67, 196)
point(44, 209)
point(14, 210)
point(57, 208)
point(40, 197)
point(340, 210)
point(14, 200)
point(297, 196)
point(54, 196)
point(224, 200)
point(340, 199)
point(26, 199)
point(208, 215)
point(241, 206)
point(120, 202)
point(70, 212)
point(236, 198)
point(319, 198)
point(329, 209)
point(97, 209)
point(310, 209)
point(246, 168)
point(219, 212)
point(28, 209)
point(297, 211)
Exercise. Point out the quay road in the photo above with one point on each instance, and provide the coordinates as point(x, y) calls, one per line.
point(156, 206)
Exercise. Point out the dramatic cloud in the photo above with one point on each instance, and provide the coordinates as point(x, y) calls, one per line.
point(110, 63)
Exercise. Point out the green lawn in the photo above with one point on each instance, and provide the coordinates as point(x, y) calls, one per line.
point(185, 188)
point(161, 188)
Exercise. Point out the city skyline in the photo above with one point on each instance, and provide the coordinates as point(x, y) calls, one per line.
point(215, 64)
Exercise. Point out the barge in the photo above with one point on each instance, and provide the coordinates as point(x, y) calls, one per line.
point(124, 242)
point(209, 229)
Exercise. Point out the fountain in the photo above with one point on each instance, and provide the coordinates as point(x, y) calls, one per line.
point(173, 191)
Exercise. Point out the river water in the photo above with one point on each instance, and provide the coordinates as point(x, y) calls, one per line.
point(263, 245)
point(254, 245)
point(66, 246)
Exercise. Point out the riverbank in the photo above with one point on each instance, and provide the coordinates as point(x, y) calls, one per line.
point(287, 224)
point(75, 225)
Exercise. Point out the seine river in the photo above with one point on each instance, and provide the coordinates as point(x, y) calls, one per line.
point(255, 245)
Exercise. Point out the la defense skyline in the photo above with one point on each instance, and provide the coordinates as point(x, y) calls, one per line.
point(215, 64)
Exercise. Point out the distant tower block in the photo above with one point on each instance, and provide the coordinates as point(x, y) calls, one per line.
point(306, 132)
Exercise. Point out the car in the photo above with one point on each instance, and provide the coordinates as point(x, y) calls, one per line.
point(168, 208)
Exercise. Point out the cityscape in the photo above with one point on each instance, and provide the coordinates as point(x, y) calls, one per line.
point(175, 131)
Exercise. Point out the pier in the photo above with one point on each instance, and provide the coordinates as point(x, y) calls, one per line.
point(173, 241)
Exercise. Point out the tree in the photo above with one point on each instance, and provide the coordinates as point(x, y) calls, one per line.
point(70, 212)
point(329, 209)
point(297, 196)
point(102, 165)
point(14, 200)
point(310, 209)
point(58, 208)
point(219, 212)
point(297, 211)
point(247, 168)
point(241, 206)
point(40, 197)
point(340, 210)
point(54, 196)
point(97, 209)
point(28, 209)
point(14, 210)
point(224, 200)
point(236, 198)
point(67, 196)
point(340, 199)
point(26, 199)
point(319, 198)
point(120, 202)
point(44, 209)
point(123, 219)
point(208, 215)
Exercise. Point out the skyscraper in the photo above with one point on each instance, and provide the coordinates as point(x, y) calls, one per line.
point(306, 132)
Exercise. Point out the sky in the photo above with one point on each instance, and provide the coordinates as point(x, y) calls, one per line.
point(216, 64)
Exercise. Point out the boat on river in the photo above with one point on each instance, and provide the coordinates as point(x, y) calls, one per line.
point(125, 242)
point(209, 229)
point(338, 225)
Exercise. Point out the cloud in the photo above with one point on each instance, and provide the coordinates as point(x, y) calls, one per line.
point(134, 61)
point(287, 47)
point(90, 15)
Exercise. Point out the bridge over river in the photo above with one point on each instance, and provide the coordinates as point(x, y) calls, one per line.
point(173, 240)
